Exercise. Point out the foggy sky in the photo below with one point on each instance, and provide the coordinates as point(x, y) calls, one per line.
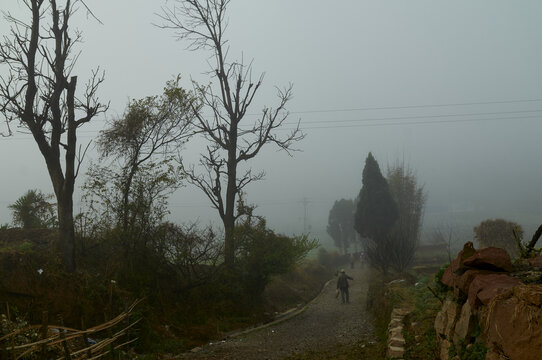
point(353, 64)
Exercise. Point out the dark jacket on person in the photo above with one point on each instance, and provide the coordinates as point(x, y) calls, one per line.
point(342, 282)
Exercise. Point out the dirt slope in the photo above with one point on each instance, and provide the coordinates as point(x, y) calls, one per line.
point(324, 326)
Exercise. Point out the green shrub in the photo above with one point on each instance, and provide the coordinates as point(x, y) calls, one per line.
point(329, 259)
point(26, 246)
point(261, 253)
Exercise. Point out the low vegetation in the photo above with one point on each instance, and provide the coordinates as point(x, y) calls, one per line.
point(414, 290)
point(186, 302)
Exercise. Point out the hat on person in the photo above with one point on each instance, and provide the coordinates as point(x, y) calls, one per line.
point(342, 270)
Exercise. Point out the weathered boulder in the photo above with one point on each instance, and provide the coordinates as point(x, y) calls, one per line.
point(513, 323)
point(486, 286)
point(446, 319)
point(463, 282)
point(490, 258)
point(445, 349)
point(466, 324)
point(449, 278)
point(494, 354)
point(456, 267)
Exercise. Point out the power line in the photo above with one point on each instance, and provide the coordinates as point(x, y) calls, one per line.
point(385, 118)
point(418, 117)
point(360, 125)
point(420, 106)
point(413, 106)
point(416, 123)
point(397, 118)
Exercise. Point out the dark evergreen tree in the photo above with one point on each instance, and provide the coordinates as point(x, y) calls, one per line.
point(376, 211)
point(375, 215)
point(341, 224)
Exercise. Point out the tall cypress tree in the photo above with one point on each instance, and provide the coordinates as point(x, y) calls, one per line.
point(376, 211)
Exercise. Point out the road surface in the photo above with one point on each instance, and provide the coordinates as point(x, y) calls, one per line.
point(324, 326)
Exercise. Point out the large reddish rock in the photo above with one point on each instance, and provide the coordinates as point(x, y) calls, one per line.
point(494, 354)
point(449, 278)
point(485, 287)
point(513, 323)
point(463, 282)
point(490, 258)
point(452, 272)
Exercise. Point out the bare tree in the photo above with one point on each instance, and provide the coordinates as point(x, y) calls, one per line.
point(39, 93)
point(231, 141)
point(410, 198)
point(446, 237)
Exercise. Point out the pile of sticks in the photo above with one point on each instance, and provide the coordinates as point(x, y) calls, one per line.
point(60, 342)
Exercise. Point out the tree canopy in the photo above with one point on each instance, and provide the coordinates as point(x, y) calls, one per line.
point(376, 211)
point(341, 223)
point(33, 210)
point(410, 199)
point(138, 168)
point(498, 233)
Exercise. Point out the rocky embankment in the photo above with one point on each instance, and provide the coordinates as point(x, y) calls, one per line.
point(495, 303)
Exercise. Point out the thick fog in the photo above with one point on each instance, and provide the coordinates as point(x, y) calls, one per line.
point(453, 89)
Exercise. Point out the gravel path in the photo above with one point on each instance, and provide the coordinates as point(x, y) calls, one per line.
point(324, 325)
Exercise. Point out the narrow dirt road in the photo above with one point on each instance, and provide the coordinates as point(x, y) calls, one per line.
point(323, 327)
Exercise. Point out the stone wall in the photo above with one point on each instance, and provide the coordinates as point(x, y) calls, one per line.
point(396, 340)
point(494, 303)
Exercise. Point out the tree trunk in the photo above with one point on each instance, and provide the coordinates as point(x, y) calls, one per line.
point(534, 240)
point(66, 233)
point(229, 219)
point(49, 107)
point(231, 192)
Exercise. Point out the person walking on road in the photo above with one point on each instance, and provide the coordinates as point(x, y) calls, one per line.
point(342, 285)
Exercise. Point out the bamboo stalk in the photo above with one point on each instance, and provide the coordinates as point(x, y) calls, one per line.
point(67, 355)
point(44, 323)
point(13, 336)
point(65, 334)
point(85, 339)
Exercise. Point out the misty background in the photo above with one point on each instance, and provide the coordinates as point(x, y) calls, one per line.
point(453, 89)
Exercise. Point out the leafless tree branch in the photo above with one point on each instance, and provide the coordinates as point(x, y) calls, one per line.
point(202, 23)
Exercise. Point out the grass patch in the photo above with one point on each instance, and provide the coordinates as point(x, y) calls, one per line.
point(382, 297)
point(297, 287)
point(419, 330)
point(407, 292)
